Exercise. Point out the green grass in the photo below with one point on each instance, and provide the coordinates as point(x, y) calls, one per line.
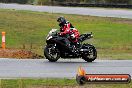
point(50, 83)
point(112, 36)
point(24, 83)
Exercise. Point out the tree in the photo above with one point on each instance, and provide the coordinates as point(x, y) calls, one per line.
point(130, 2)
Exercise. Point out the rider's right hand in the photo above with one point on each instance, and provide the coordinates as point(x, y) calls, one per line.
point(59, 34)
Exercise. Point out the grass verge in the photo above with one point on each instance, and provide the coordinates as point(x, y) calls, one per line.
point(28, 29)
point(54, 83)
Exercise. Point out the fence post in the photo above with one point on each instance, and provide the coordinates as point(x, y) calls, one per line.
point(3, 40)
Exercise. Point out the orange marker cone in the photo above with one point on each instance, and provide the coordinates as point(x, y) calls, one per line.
point(3, 40)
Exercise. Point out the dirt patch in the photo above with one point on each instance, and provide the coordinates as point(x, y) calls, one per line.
point(125, 21)
point(18, 54)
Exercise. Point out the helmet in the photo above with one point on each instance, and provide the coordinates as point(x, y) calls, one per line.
point(61, 19)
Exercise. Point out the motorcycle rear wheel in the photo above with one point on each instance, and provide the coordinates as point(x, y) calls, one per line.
point(51, 53)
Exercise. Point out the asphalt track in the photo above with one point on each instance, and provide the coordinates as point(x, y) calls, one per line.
point(120, 13)
point(41, 68)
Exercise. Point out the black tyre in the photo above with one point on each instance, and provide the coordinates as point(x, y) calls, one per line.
point(80, 80)
point(91, 55)
point(52, 53)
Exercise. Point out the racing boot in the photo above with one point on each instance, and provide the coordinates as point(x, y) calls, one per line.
point(73, 49)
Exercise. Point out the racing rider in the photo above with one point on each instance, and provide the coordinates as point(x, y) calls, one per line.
point(66, 28)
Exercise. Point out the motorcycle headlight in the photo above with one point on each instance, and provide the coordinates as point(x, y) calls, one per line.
point(48, 38)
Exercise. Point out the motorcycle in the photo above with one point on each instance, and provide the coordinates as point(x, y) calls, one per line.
point(57, 47)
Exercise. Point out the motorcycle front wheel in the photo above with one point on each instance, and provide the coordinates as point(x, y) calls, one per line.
point(51, 53)
point(91, 55)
